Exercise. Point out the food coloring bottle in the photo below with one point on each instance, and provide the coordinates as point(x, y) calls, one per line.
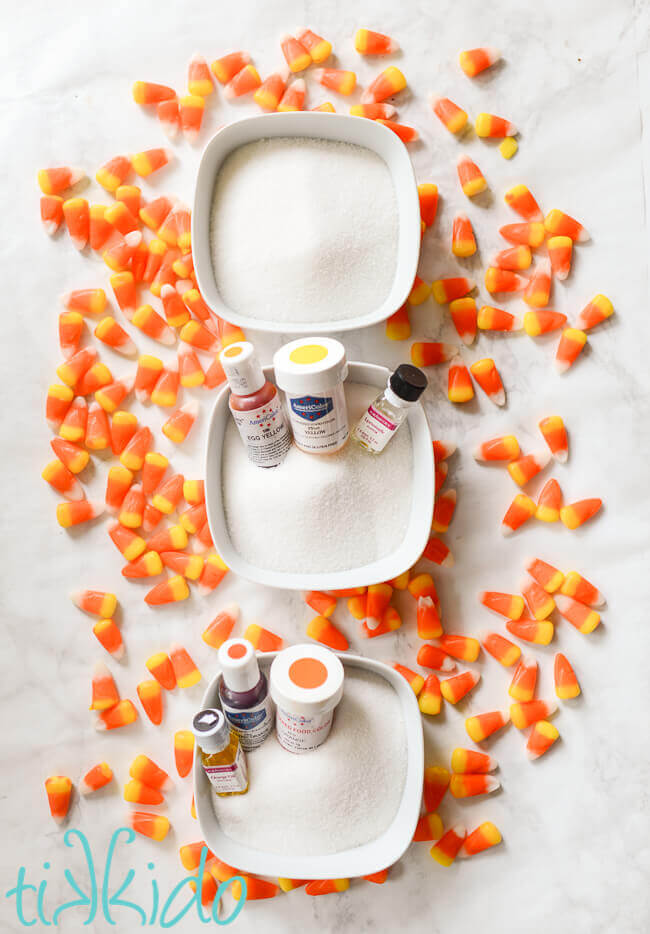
point(310, 371)
point(383, 417)
point(244, 693)
point(256, 406)
point(222, 757)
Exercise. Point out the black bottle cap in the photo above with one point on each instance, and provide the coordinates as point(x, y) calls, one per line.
point(408, 382)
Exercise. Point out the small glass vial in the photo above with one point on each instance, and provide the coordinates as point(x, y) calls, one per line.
point(383, 417)
point(222, 756)
point(255, 406)
point(310, 371)
point(244, 693)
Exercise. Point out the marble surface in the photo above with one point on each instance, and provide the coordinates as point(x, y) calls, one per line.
point(576, 81)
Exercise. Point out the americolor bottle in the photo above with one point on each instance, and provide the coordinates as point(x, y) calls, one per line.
point(383, 417)
point(311, 371)
point(306, 685)
point(244, 693)
point(255, 406)
point(222, 756)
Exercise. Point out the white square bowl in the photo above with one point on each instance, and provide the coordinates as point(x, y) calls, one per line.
point(337, 127)
point(405, 554)
point(359, 861)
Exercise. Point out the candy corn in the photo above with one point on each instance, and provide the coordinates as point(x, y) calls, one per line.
point(469, 785)
point(458, 686)
point(295, 54)
point(578, 587)
point(504, 604)
point(169, 494)
point(187, 565)
point(545, 574)
point(244, 82)
point(74, 513)
point(150, 694)
point(521, 200)
point(150, 161)
point(95, 602)
point(496, 319)
point(487, 376)
point(154, 826)
point(528, 466)
point(470, 176)
point(59, 790)
point(398, 325)
point(132, 509)
point(172, 539)
point(190, 114)
point(524, 715)
point(576, 514)
point(429, 827)
point(430, 698)
point(172, 590)
point(367, 42)
point(584, 618)
point(428, 198)
point(432, 656)
point(598, 309)
point(464, 648)
point(327, 886)
point(51, 213)
point(463, 315)
point(450, 115)
point(443, 449)
point(515, 258)
point(436, 783)
point(540, 632)
point(488, 125)
point(529, 234)
point(225, 68)
point(259, 888)
point(484, 837)
point(474, 61)
point(113, 334)
point(407, 134)
point(71, 325)
point(321, 603)
point(169, 117)
point(104, 691)
point(468, 761)
point(542, 321)
point(554, 432)
point(446, 290)
point(183, 752)
point(438, 552)
point(415, 680)
point(109, 637)
point(269, 94)
point(559, 254)
point(522, 686)
point(443, 511)
point(448, 846)
point(542, 736)
point(391, 81)
point(504, 448)
point(95, 778)
point(179, 424)
point(538, 290)
point(74, 458)
point(118, 254)
point(459, 383)
point(503, 280)
point(77, 220)
point(220, 629)
point(318, 48)
point(375, 112)
point(560, 224)
point(122, 714)
point(428, 619)
point(343, 82)
point(323, 630)
point(294, 97)
point(505, 651)
point(118, 483)
point(72, 371)
point(186, 672)
point(147, 565)
point(126, 541)
point(482, 726)
point(54, 181)
point(62, 480)
point(148, 93)
point(160, 666)
point(73, 425)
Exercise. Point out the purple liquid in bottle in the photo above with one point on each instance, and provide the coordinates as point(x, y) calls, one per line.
point(244, 694)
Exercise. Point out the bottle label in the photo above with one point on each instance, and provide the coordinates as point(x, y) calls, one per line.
point(265, 432)
point(232, 776)
point(375, 430)
point(320, 423)
point(302, 734)
point(251, 724)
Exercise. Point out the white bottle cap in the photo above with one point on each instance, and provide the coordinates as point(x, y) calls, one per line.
point(239, 665)
point(211, 730)
point(242, 368)
point(310, 364)
point(306, 680)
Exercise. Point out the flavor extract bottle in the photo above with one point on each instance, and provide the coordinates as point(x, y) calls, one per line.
point(222, 756)
point(383, 417)
point(244, 693)
point(255, 406)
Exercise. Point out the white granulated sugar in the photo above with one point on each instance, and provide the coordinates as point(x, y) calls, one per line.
point(341, 795)
point(318, 513)
point(304, 230)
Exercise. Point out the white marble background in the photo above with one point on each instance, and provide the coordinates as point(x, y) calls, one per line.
point(575, 81)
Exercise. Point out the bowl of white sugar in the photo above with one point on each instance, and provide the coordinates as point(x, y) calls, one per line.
point(305, 222)
point(346, 809)
point(317, 522)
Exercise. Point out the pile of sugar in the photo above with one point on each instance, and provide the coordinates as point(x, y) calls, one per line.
point(341, 795)
point(304, 230)
point(316, 513)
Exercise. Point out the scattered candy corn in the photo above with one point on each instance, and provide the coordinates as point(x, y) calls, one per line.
point(483, 725)
point(545, 574)
point(450, 115)
point(484, 837)
point(436, 783)
point(122, 714)
point(59, 790)
point(598, 309)
point(542, 736)
point(566, 683)
point(504, 604)
point(430, 699)
point(318, 48)
point(584, 618)
point(559, 254)
point(470, 176)
point(540, 632)
point(528, 466)
point(468, 761)
point(463, 315)
point(560, 224)
point(95, 778)
point(391, 81)
point(456, 687)
point(323, 630)
point(505, 651)
point(429, 827)
point(459, 383)
point(522, 686)
point(109, 637)
point(448, 846)
point(443, 511)
point(468, 785)
point(487, 376)
point(524, 715)
point(464, 648)
point(474, 61)
point(576, 514)
point(150, 694)
point(529, 234)
point(415, 680)
point(432, 656)
point(497, 319)
point(554, 432)
point(578, 587)
point(489, 125)
point(549, 502)
point(154, 826)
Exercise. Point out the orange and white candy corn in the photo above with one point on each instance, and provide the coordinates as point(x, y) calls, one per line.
point(293, 98)
point(127, 541)
point(244, 82)
point(321, 603)
point(188, 565)
point(448, 846)
point(132, 509)
point(172, 539)
point(459, 383)
point(59, 790)
point(194, 492)
point(407, 134)
point(71, 324)
point(464, 648)
point(336, 79)
point(148, 93)
point(430, 699)
point(468, 785)
point(497, 319)
point(96, 377)
point(545, 574)
point(327, 886)
point(124, 289)
point(428, 619)
point(489, 125)
point(566, 683)
point(398, 325)
point(521, 200)
point(429, 827)
point(503, 280)
point(509, 605)
point(503, 448)
point(74, 368)
point(576, 514)
point(51, 213)
point(119, 253)
point(179, 424)
point(524, 680)
point(456, 687)
point(446, 290)
point(169, 494)
point(151, 518)
point(155, 212)
point(190, 854)
point(165, 392)
point(432, 656)
point(389, 82)
point(62, 480)
point(199, 336)
point(597, 310)
point(95, 778)
point(77, 512)
point(529, 234)
point(487, 376)
point(144, 770)
point(214, 571)
point(118, 483)
point(74, 457)
point(443, 511)
point(269, 94)
point(221, 627)
point(437, 551)
point(435, 785)
point(541, 321)
point(169, 117)
point(505, 651)
point(428, 198)
point(368, 42)
point(153, 325)
point(121, 714)
point(54, 181)
point(560, 224)
point(134, 453)
point(147, 375)
point(443, 449)
point(549, 502)
point(578, 587)
point(542, 736)
point(483, 838)
point(114, 173)
point(559, 254)
point(319, 49)
point(186, 672)
point(463, 242)
point(109, 332)
point(463, 315)
point(483, 725)
point(73, 425)
point(326, 107)
point(150, 161)
point(150, 695)
point(474, 61)
point(262, 640)
point(104, 690)
point(136, 792)
point(193, 519)
point(470, 762)
point(584, 618)
point(199, 79)
point(147, 565)
point(524, 468)
point(109, 637)
point(153, 471)
point(154, 826)
point(76, 215)
point(555, 435)
point(450, 114)
point(226, 67)
point(324, 631)
point(525, 714)
point(539, 632)
point(120, 218)
point(377, 599)
point(172, 590)
point(95, 602)
point(190, 114)
point(295, 54)
point(538, 290)
point(514, 258)
point(470, 176)
point(160, 666)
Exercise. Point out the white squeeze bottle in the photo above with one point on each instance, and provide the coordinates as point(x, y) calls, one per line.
point(255, 406)
point(383, 417)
